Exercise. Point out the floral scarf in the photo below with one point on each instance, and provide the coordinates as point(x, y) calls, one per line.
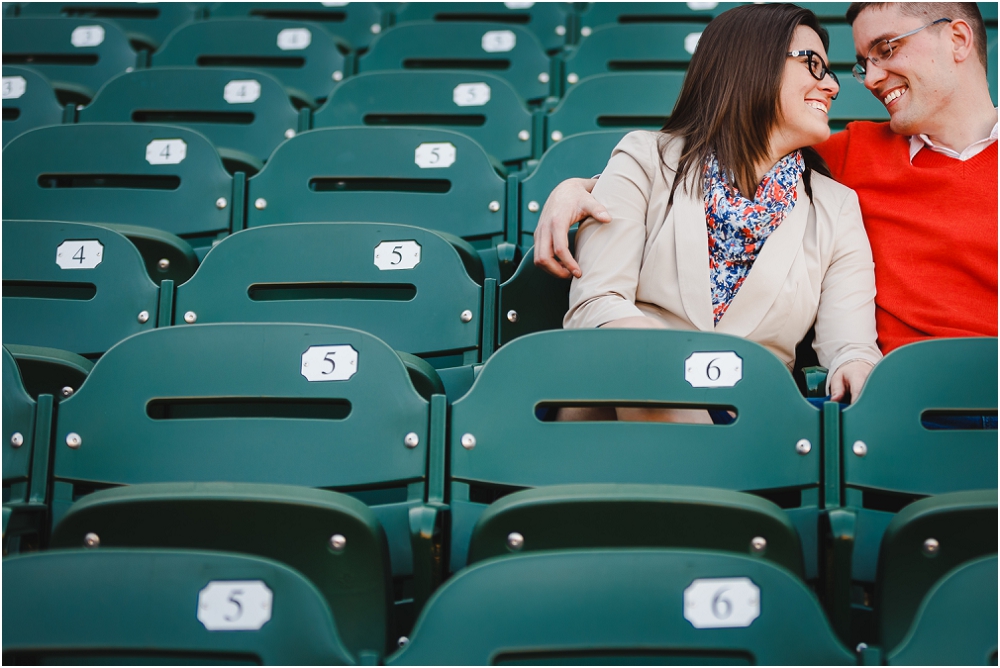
point(738, 227)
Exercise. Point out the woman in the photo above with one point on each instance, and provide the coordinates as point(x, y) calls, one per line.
point(725, 220)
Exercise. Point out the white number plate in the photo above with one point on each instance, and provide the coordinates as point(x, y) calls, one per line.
point(721, 603)
point(334, 4)
point(435, 155)
point(722, 369)
point(87, 36)
point(14, 87)
point(85, 254)
point(241, 91)
point(323, 363)
point(234, 605)
point(691, 42)
point(166, 151)
point(499, 41)
point(702, 5)
point(471, 94)
point(294, 39)
point(391, 255)
point(518, 5)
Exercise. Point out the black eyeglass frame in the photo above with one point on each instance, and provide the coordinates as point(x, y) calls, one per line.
point(859, 70)
point(813, 57)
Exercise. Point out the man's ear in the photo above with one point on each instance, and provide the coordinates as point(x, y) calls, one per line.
point(962, 40)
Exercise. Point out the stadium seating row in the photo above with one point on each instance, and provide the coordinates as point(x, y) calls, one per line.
point(316, 437)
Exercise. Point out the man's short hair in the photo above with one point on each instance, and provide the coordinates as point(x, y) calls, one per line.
point(967, 11)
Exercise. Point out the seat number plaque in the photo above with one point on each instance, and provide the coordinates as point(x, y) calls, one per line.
point(721, 603)
point(234, 605)
point(390, 255)
point(84, 254)
point(721, 369)
point(326, 363)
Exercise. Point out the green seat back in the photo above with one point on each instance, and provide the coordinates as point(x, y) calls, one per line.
point(18, 418)
point(510, 50)
point(532, 300)
point(600, 14)
point(47, 45)
point(625, 101)
point(512, 448)
point(964, 526)
point(166, 255)
point(580, 155)
point(145, 24)
point(619, 606)
point(957, 622)
point(495, 116)
point(619, 515)
point(991, 54)
point(548, 21)
point(371, 175)
point(325, 273)
point(230, 517)
point(237, 110)
point(356, 22)
point(50, 370)
point(827, 11)
point(854, 103)
point(308, 62)
point(85, 311)
point(65, 172)
point(28, 102)
point(138, 606)
point(841, 52)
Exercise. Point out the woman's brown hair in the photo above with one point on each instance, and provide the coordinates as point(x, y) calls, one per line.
point(729, 101)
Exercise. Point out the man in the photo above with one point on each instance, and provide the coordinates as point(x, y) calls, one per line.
point(926, 180)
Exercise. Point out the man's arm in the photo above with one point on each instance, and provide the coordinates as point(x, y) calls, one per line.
point(569, 203)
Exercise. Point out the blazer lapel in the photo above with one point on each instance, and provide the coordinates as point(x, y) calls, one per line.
point(691, 242)
point(767, 276)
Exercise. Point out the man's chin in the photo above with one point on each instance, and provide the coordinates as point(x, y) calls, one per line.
point(901, 124)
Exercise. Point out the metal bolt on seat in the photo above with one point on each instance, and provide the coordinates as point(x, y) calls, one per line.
point(758, 544)
point(524, 135)
point(143, 317)
point(512, 315)
point(556, 135)
point(573, 77)
point(67, 391)
point(931, 547)
point(338, 75)
point(411, 440)
point(221, 203)
point(533, 206)
point(515, 541)
point(190, 317)
point(73, 440)
point(17, 439)
point(289, 133)
point(403, 641)
point(543, 77)
point(466, 315)
point(859, 448)
point(468, 441)
point(338, 542)
point(163, 264)
point(91, 540)
point(803, 446)
point(494, 206)
point(260, 203)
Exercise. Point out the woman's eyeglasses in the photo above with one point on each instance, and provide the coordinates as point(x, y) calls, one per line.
point(817, 66)
point(883, 50)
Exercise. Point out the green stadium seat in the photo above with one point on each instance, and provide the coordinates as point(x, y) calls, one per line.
point(628, 607)
point(479, 105)
point(638, 47)
point(146, 24)
point(841, 52)
point(76, 55)
point(580, 155)
point(28, 102)
point(230, 517)
point(957, 620)
point(76, 287)
point(50, 370)
point(600, 14)
point(165, 177)
point(532, 300)
point(166, 255)
point(922, 543)
point(827, 11)
point(305, 58)
point(508, 51)
point(550, 22)
point(854, 103)
point(355, 22)
point(991, 56)
point(431, 178)
point(240, 403)
point(163, 606)
point(494, 452)
point(624, 101)
point(244, 113)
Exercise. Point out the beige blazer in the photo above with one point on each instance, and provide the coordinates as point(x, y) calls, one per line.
point(652, 260)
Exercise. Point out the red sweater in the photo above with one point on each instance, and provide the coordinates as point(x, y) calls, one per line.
point(933, 232)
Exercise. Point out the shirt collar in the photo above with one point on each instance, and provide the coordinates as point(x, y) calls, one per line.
point(918, 142)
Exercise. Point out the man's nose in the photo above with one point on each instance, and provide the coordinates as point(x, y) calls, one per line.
point(874, 75)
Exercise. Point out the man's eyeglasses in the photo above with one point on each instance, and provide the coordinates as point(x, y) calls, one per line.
point(817, 66)
point(883, 50)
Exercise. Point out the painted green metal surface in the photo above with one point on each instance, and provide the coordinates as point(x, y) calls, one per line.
point(47, 46)
point(35, 107)
point(632, 46)
point(463, 46)
point(181, 198)
point(580, 155)
point(624, 606)
point(195, 98)
point(964, 524)
point(90, 605)
point(18, 418)
point(356, 22)
point(290, 525)
point(155, 246)
point(533, 300)
point(49, 370)
point(599, 14)
point(371, 175)
point(564, 517)
point(854, 102)
point(626, 100)
point(325, 273)
point(957, 621)
point(548, 21)
point(85, 311)
point(145, 24)
point(308, 67)
point(432, 98)
point(991, 53)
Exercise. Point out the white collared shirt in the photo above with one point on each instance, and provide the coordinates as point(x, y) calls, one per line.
point(918, 142)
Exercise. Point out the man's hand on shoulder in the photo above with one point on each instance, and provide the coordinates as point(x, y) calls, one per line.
point(569, 203)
